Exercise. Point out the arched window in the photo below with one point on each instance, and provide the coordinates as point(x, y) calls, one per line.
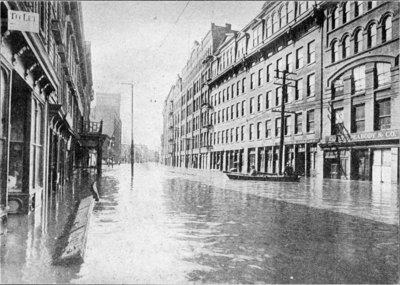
point(358, 42)
point(346, 47)
point(290, 11)
point(335, 18)
point(387, 29)
point(346, 12)
point(334, 50)
point(274, 23)
point(358, 8)
point(282, 16)
point(371, 36)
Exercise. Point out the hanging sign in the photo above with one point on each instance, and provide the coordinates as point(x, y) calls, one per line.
point(23, 21)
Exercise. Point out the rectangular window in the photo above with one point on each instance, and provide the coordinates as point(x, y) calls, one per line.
point(311, 52)
point(259, 103)
point(227, 136)
point(382, 115)
point(268, 129)
point(232, 111)
point(223, 96)
point(243, 102)
point(242, 133)
point(298, 123)
point(310, 85)
point(299, 58)
point(337, 121)
point(268, 73)
point(279, 66)
point(233, 90)
point(383, 74)
point(289, 62)
point(259, 130)
point(358, 118)
point(338, 88)
point(268, 100)
point(243, 85)
point(227, 93)
point(231, 134)
point(237, 133)
point(310, 121)
point(278, 96)
point(260, 79)
point(238, 88)
point(237, 109)
point(277, 127)
point(251, 105)
point(359, 78)
point(287, 125)
point(252, 78)
point(250, 131)
point(299, 89)
point(227, 113)
point(223, 115)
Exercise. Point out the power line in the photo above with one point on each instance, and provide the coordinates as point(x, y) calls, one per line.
point(176, 21)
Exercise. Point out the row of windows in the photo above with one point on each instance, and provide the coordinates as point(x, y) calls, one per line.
point(382, 117)
point(257, 78)
point(256, 131)
point(355, 7)
point(358, 40)
point(382, 77)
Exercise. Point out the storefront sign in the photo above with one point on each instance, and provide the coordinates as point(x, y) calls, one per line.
point(23, 21)
point(378, 135)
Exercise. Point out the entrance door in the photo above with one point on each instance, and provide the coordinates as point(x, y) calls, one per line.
point(300, 163)
point(381, 169)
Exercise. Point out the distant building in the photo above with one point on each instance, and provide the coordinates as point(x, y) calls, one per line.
point(107, 109)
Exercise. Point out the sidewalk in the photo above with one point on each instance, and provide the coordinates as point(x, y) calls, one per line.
point(28, 246)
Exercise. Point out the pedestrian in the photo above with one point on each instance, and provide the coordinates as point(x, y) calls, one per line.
point(253, 171)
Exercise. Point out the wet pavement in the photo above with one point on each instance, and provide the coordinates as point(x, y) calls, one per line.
point(175, 226)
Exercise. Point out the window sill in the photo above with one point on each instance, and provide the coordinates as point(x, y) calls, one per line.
point(358, 94)
point(383, 87)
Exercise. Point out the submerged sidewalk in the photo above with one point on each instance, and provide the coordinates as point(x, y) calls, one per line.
point(28, 246)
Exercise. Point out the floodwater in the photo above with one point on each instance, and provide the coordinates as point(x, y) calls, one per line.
point(188, 226)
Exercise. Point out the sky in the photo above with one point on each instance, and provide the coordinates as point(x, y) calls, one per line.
point(140, 42)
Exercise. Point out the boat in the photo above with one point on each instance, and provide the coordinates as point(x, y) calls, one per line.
point(262, 177)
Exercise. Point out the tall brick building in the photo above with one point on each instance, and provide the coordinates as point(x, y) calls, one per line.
point(342, 93)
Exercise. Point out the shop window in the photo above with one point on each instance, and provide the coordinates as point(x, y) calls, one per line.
point(382, 115)
point(277, 127)
point(334, 51)
point(338, 88)
point(299, 89)
point(346, 47)
point(310, 121)
point(358, 42)
point(298, 123)
point(371, 36)
point(310, 85)
point(299, 58)
point(358, 79)
point(358, 118)
point(268, 129)
point(358, 8)
point(383, 74)
point(387, 29)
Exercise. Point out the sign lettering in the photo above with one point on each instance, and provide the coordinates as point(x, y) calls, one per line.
point(23, 21)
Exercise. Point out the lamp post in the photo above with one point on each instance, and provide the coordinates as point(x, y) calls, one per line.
point(132, 142)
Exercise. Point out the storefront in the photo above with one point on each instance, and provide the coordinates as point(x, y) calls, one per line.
point(371, 156)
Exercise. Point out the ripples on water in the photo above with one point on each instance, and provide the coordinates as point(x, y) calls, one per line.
point(169, 227)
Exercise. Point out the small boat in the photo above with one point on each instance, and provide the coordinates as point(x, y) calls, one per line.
point(263, 177)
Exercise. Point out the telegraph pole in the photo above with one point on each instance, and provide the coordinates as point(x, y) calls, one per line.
point(132, 142)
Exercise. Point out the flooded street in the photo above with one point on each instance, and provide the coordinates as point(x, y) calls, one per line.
point(172, 226)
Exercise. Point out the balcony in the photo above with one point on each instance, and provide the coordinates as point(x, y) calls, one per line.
point(88, 127)
point(56, 29)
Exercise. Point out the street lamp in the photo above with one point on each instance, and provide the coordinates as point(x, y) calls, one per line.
point(132, 143)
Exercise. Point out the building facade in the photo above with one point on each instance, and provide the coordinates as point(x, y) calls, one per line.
point(340, 61)
point(107, 110)
point(46, 89)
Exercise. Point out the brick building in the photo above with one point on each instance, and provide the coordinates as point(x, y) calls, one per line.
point(337, 76)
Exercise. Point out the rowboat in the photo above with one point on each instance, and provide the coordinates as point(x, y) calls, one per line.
point(263, 177)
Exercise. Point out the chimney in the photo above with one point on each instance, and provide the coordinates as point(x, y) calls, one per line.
point(228, 27)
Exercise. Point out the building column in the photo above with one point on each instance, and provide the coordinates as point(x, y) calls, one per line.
point(245, 160)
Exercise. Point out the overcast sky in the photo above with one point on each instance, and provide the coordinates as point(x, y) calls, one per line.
point(138, 41)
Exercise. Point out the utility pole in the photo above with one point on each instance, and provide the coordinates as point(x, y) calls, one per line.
point(282, 111)
point(132, 142)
